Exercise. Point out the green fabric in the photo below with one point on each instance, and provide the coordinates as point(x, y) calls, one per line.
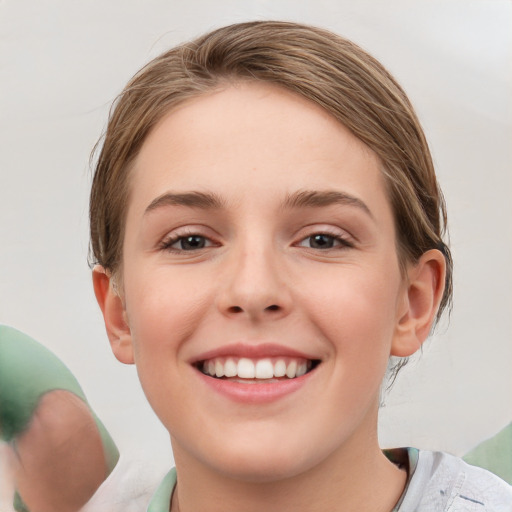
point(161, 500)
point(28, 371)
point(495, 454)
point(18, 504)
point(109, 447)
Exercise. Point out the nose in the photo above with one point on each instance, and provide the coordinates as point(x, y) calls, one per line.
point(254, 286)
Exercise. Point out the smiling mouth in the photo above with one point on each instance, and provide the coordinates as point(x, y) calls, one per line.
point(263, 370)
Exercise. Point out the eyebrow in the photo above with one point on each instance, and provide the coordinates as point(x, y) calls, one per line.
point(317, 199)
point(202, 200)
point(299, 199)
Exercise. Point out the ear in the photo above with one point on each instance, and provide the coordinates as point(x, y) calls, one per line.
point(420, 302)
point(114, 315)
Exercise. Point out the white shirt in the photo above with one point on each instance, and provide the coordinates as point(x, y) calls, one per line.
point(440, 482)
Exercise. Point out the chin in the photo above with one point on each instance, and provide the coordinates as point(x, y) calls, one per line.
point(261, 471)
point(263, 464)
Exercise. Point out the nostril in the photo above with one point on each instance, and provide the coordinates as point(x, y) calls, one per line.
point(238, 309)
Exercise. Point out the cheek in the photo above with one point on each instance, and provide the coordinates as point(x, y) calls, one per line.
point(163, 309)
point(356, 313)
point(162, 318)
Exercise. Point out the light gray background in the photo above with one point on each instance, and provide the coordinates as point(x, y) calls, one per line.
point(63, 62)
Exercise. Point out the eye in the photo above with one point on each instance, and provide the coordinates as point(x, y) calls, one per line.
point(324, 241)
point(192, 242)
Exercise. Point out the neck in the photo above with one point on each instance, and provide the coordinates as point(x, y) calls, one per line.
point(351, 479)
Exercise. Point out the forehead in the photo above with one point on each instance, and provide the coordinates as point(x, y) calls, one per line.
point(252, 138)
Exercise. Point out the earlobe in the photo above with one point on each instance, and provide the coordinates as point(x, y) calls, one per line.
point(114, 315)
point(420, 302)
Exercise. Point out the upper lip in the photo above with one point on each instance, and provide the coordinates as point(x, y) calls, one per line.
point(252, 351)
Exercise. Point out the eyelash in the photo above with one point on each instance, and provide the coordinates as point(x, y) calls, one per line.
point(343, 242)
point(167, 243)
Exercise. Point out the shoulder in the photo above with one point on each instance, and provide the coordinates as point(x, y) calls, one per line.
point(442, 482)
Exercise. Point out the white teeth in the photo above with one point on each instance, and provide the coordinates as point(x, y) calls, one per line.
point(264, 369)
point(246, 369)
point(219, 369)
point(261, 369)
point(230, 368)
point(301, 369)
point(280, 368)
point(291, 370)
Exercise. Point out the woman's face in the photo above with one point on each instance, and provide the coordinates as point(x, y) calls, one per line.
point(260, 241)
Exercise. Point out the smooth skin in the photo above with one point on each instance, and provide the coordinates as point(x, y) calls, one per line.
point(265, 265)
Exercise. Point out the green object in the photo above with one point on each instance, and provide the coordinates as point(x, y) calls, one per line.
point(161, 500)
point(494, 454)
point(28, 371)
point(18, 504)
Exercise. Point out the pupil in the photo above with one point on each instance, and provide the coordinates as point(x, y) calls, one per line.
point(192, 242)
point(322, 242)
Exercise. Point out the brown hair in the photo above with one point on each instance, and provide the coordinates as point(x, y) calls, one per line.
point(319, 65)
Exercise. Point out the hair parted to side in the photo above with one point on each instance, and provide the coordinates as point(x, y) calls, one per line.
point(326, 69)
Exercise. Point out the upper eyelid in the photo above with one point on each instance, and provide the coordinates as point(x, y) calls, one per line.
point(189, 230)
point(323, 229)
point(177, 234)
point(344, 240)
point(167, 243)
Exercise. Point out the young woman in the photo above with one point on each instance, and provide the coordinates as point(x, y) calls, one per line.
point(266, 228)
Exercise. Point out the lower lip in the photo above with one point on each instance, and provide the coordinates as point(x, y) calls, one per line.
point(255, 393)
